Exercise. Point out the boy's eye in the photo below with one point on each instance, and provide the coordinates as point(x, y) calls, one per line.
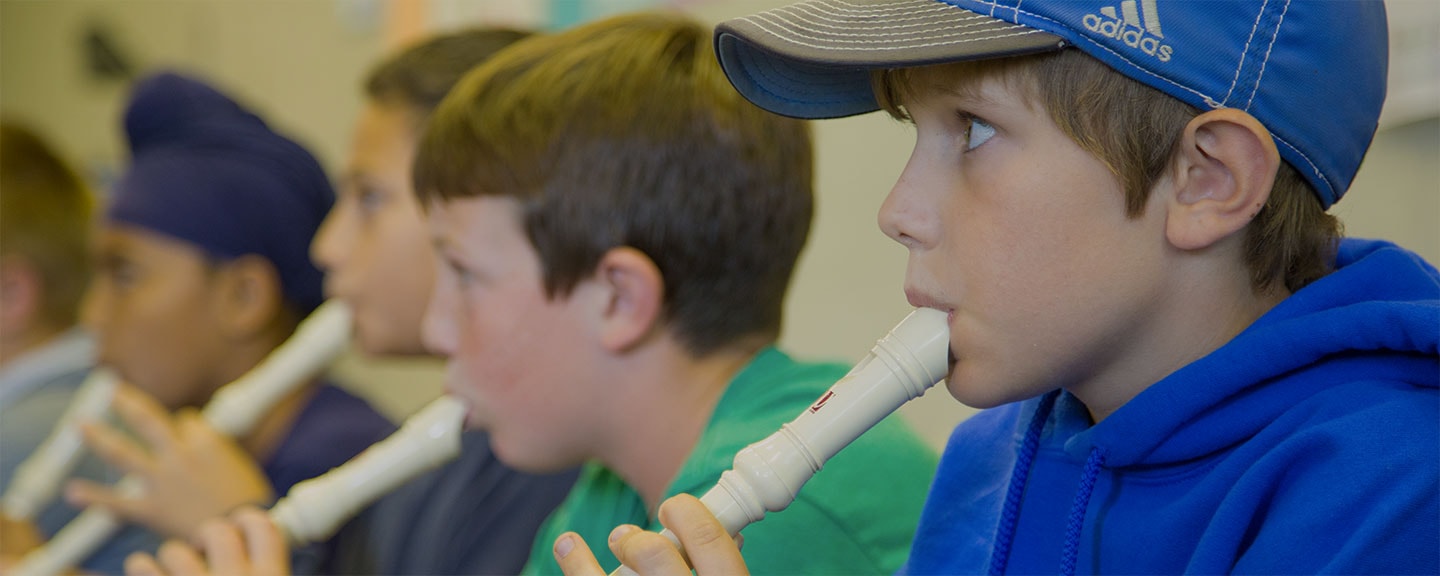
point(122, 275)
point(462, 274)
point(978, 132)
point(369, 199)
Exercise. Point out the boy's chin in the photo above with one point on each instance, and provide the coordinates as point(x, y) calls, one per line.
point(527, 461)
point(965, 391)
point(472, 420)
point(380, 348)
point(375, 339)
point(371, 347)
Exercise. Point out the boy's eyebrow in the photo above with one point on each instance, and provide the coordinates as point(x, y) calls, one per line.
point(353, 177)
point(109, 258)
point(441, 242)
point(968, 92)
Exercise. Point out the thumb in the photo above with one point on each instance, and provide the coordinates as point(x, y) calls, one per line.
point(575, 557)
point(269, 553)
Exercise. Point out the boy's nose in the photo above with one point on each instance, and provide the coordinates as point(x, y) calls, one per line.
point(901, 217)
point(327, 247)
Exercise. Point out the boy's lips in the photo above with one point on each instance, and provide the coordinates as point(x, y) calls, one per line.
point(920, 299)
point(334, 292)
point(469, 406)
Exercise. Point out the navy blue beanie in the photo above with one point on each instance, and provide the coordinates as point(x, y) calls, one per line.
point(209, 172)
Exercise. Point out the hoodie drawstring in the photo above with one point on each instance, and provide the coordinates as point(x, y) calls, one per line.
point(1078, 510)
point(1005, 534)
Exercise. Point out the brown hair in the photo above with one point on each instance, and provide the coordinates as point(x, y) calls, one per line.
point(625, 132)
point(1134, 130)
point(419, 76)
point(45, 211)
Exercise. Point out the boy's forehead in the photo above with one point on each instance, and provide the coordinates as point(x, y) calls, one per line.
point(450, 220)
point(119, 237)
point(967, 81)
point(437, 221)
point(980, 84)
point(121, 243)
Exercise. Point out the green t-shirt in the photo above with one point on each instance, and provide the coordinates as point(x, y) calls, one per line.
point(856, 516)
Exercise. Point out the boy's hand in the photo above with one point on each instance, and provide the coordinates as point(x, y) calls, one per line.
point(710, 549)
point(17, 538)
point(190, 471)
point(247, 544)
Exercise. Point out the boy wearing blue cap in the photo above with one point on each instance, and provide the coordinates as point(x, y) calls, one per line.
point(202, 270)
point(1122, 208)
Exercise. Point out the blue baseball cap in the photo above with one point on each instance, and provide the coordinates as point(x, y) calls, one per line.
point(1312, 71)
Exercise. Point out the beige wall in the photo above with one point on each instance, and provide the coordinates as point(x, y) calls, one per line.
point(296, 62)
point(300, 63)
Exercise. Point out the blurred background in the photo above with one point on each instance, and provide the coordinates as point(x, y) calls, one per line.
point(65, 67)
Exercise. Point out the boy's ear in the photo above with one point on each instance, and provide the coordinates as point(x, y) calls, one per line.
point(633, 290)
point(247, 295)
point(1223, 174)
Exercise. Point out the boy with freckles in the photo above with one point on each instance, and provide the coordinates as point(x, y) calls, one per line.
point(1122, 208)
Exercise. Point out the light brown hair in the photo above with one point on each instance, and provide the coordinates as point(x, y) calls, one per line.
point(625, 132)
point(45, 211)
point(1134, 130)
point(419, 76)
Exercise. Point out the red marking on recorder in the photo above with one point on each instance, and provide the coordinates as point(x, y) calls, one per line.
point(821, 402)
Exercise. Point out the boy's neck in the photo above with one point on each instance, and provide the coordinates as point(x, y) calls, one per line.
point(669, 398)
point(1200, 309)
point(272, 428)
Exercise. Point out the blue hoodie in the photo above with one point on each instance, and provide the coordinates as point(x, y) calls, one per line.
point(1309, 443)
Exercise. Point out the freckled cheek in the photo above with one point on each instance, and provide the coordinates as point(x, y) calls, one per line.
point(484, 356)
point(497, 383)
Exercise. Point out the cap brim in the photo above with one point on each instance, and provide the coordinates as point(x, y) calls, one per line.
point(813, 59)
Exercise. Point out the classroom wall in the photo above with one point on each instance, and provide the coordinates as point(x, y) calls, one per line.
point(300, 63)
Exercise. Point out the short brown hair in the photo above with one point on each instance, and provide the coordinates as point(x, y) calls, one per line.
point(1134, 130)
point(420, 76)
point(625, 132)
point(45, 211)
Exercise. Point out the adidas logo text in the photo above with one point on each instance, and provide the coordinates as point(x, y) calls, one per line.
point(1128, 28)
